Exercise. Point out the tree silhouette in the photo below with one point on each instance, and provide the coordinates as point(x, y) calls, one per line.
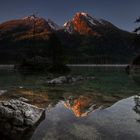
point(137, 36)
point(138, 28)
point(56, 50)
point(57, 54)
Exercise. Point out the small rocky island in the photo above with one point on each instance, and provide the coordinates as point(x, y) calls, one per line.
point(18, 119)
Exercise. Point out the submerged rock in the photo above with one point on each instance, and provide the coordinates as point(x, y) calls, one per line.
point(2, 92)
point(23, 99)
point(59, 80)
point(68, 79)
point(18, 118)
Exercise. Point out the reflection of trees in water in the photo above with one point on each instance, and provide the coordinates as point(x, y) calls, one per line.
point(135, 74)
point(137, 105)
point(135, 69)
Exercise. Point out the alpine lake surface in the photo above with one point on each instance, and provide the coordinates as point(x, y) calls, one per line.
point(105, 108)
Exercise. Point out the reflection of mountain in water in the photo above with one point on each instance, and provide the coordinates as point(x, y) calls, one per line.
point(84, 104)
point(81, 103)
point(135, 71)
point(81, 106)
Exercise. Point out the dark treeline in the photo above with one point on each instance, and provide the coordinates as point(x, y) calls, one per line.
point(69, 48)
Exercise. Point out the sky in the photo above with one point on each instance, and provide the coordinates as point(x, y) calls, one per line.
point(121, 13)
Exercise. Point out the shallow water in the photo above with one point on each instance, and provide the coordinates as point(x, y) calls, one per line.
point(102, 109)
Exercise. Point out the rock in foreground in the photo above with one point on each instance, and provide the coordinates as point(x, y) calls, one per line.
point(18, 118)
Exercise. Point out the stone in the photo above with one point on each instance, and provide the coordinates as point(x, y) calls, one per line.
point(18, 117)
point(59, 80)
point(2, 92)
point(90, 78)
point(23, 99)
point(68, 79)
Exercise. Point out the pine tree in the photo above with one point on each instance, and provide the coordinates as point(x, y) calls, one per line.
point(138, 28)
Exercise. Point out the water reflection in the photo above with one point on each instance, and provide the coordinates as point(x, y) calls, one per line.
point(82, 105)
point(117, 122)
point(135, 74)
point(83, 115)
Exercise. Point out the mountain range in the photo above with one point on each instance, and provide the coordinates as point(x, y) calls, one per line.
point(82, 23)
point(83, 37)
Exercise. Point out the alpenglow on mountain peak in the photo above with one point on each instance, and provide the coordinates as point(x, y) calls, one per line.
point(89, 18)
point(85, 24)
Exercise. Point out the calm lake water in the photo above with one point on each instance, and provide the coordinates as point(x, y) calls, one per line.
point(107, 108)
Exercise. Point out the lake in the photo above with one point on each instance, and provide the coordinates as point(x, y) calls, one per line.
point(106, 108)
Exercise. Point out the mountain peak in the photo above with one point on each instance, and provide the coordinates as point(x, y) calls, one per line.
point(82, 13)
point(85, 24)
point(31, 17)
point(86, 17)
point(50, 23)
point(82, 23)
